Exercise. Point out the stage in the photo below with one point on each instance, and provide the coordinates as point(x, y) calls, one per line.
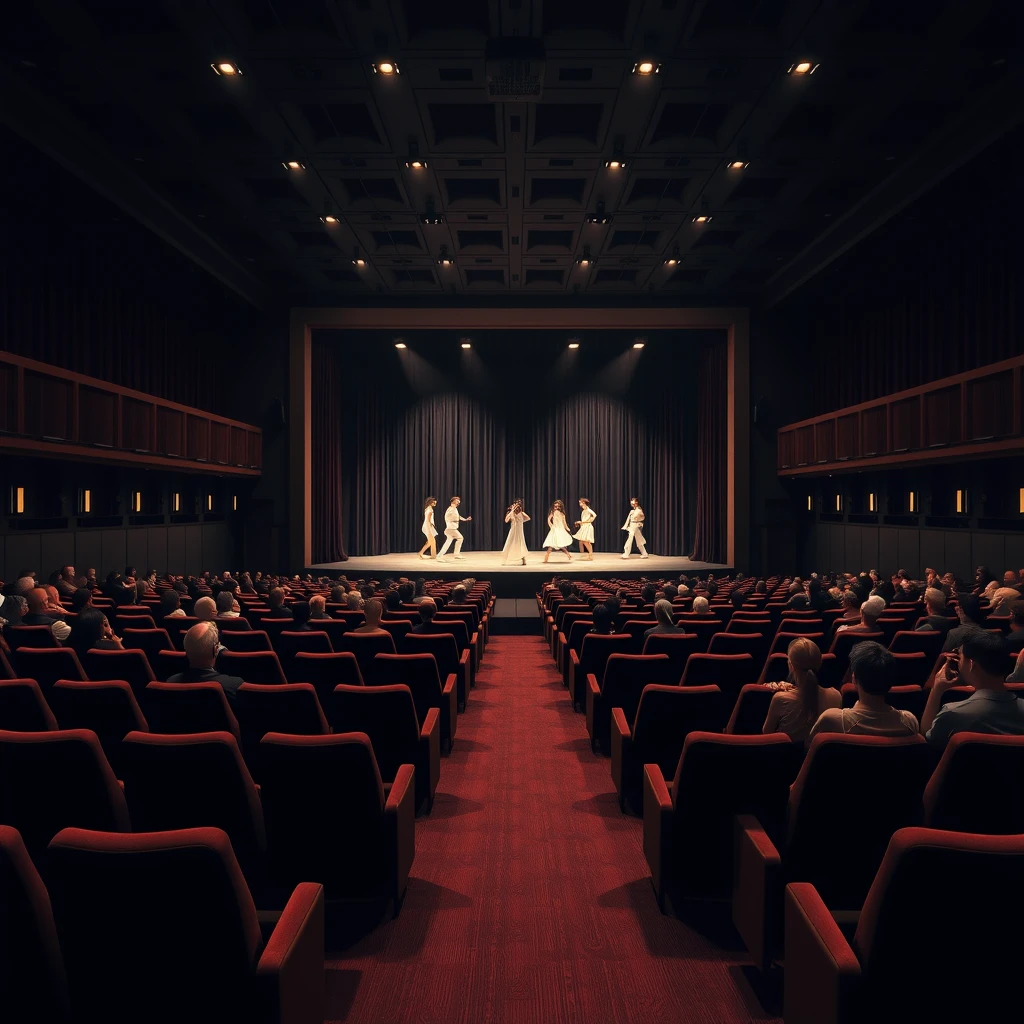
point(514, 581)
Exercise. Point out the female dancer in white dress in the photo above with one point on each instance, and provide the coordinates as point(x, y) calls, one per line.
point(428, 528)
point(515, 543)
point(559, 537)
point(585, 533)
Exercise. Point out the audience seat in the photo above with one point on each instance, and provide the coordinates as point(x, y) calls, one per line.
point(177, 626)
point(928, 641)
point(329, 821)
point(290, 643)
point(780, 644)
point(50, 780)
point(189, 707)
point(750, 710)
point(33, 985)
point(398, 628)
point(636, 628)
point(665, 716)
point(624, 679)
point(23, 707)
point(292, 708)
point(197, 780)
point(844, 642)
point(419, 673)
point(29, 636)
point(572, 639)
point(594, 652)
point(761, 625)
point(978, 785)
point(170, 663)
point(122, 622)
point(463, 630)
point(131, 666)
point(326, 671)
point(688, 824)
point(834, 841)
point(364, 646)
point(109, 709)
point(678, 647)
point(233, 624)
point(242, 640)
point(47, 664)
point(6, 672)
point(446, 654)
point(334, 628)
point(729, 672)
point(261, 667)
point(150, 641)
point(934, 892)
point(160, 927)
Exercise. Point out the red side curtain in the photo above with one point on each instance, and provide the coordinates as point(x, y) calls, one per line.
point(326, 454)
point(710, 541)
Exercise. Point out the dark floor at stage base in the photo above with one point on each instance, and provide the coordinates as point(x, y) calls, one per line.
point(530, 899)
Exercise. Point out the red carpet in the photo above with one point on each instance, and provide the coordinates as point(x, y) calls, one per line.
point(529, 899)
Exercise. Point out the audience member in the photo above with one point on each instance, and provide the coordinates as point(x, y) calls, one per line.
point(870, 611)
point(663, 613)
point(115, 589)
point(278, 610)
point(202, 645)
point(227, 607)
point(92, 631)
point(801, 700)
point(66, 582)
point(40, 614)
point(170, 605)
point(355, 601)
point(427, 610)
point(301, 612)
point(972, 617)
point(318, 607)
point(603, 619)
point(205, 609)
point(373, 610)
point(80, 599)
point(701, 607)
point(1015, 639)
point(1002, 599)
point(935, 609)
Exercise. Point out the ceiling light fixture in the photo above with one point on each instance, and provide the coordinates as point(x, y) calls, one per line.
point(618, 160)
point(673, 260)
point(444, 260)
point(329, 216)
point(600, 214)
point(431, 216)
point(638, 344)
point(293, 165)
point(615, 165)
point(704, 214)
point(226, 69)
point(385, 67)
point(574, 345)
point(646, 67)
point(416, 165)
point(738, 165)
point(586, 260)
point(400, 344)
point(359, 262)
point(467, 344)
point(802, 67)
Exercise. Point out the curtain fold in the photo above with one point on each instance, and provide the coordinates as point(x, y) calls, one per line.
point(326, 460)
point(710, 542)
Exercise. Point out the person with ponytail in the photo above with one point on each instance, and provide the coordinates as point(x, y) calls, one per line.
point(796, 706)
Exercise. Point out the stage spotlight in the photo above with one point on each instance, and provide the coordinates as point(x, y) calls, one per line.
point(574, 345)
point(226, 69)
point(467, 344)
point(802, 67)
point(638, 344)
point(400, 344)
point(385, 67)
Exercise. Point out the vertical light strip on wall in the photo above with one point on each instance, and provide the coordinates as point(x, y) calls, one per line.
point(913, 501)
point(871, 502)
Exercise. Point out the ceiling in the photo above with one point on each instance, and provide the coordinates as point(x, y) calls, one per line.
point(123, 93)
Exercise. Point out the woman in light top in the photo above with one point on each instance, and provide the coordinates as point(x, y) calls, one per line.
point(428, 528)
point(515, 543)
point(559, 538)
point(798, 703)
point(585, 533)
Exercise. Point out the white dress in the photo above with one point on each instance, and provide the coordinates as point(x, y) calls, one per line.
point(586, 530)
point(515, 543)
point(558, 535)
point(428, 523)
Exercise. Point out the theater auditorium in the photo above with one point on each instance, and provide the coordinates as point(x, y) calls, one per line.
point(511, 512)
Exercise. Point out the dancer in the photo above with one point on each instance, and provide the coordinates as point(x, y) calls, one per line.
point(633, 526)
point(451, 530)
point(585, 533)
point(515, 542)
point(558, 536)
point(428, 528)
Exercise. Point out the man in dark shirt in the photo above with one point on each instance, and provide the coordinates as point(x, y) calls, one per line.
point(277, 608)
point(428, 609)
point(115, 589)
point(666, 624)
point(202, 644)
point(935, 608)
point(971, 617)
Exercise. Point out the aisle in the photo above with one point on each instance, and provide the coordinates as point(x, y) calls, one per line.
point(529, 899)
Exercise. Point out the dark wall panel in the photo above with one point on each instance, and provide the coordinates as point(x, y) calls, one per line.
point(156, 547)
point(908, 549)
point(193, 549)
point(137, 550)
point(88, 551)
point(217, 553)
point(58, 550)
point(888, 553)
point(869, 546)
point(988, 549)
point(958, 553)
point(1014, 551)
point(113, 550)
point(933, 550)
point(21, 551)
point(854, 553)
point(836, 547)
point(176, 549)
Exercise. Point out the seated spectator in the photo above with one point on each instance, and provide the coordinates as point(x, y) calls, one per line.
point(1002, 599)
point(418, 592)
point(800, 700)
point(428, 609)
point(301, 612)
point(355, 601)
point(972, 619)
point(981, 663)
point(1016, 637)
point(736, 599)
point(227, 606)
point(392, 601)
point(671, 591)
point(458, 594)
point(338, 594)
point(13, 609)
point(318, 607)
point(603, 619)
point(872, 670)
point(663, 613)
point(935, 609)
point(92, 631)
point(205, 609)
point(648, 594)
point(170, 605)
point(81, 599)
point(277, 605)
point(870, 610)
point(701, 606)
point(202, 645)
point(66, 582)
point(373, 611)
point(850, 604)
point(40, 614)
point(115, 589)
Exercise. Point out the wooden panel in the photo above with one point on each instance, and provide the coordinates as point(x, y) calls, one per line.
point(989, 549)
point(825, 441)
point(48, 402)
point(942, 417)
point(873, 439)
point(97, 417)
point(170, 431)
point(848, 436)
point(176, 549)
point(906, 424)
point(219, 442)
point(136, 425)
point(57, 549)
point(990, 406)
point(8, 397)
point(156, 548)
point(254, 443)
point(113, 551)
point(238, 453)
point(198, 438)
point(194, 550)
point(137, 549)
point(908, 551)
point(786, 448)
point(803, 446)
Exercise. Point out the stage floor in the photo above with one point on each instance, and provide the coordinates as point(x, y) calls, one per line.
point(513, 580)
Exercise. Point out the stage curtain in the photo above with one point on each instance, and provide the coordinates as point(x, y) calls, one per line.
point(710, 533)
point(327, 520)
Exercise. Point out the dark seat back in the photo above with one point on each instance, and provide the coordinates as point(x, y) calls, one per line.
point(189, 707)
point(47, 664)
point(109, 709)
point(23, 707)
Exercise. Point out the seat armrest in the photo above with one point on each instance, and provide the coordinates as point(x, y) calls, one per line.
point(823, 974)
point(400, 827)
point(549, 625)
point(476, 645)
point(570, 676)
point(466, 669)
point(592, 696)
point(290, 978)
point(430, 752)
point(658, 813)
point(561, 646)
point(450, 702)
point(757, 890)
point(622, 748)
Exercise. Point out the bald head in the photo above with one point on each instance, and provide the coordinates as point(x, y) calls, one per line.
point(201, 645)
point(205, 609)
point(24, 585)
point(36, 599)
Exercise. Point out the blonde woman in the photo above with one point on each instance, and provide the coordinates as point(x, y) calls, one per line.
point(559, 538)
point(798, 703)
point(429, 530)
point(585, 533)
point(515, 544)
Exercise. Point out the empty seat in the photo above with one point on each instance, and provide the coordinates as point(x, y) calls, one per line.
point(50, 780)
point(29, 636)
point(754, 644)
point(387, 715)
point(419, 673)
point(688, 830)
point(678, 647)
point(729, 672)
point(664, 718)
point(150, 641)
point(446, 654)
point(835, 842)
point(328, 819)
point(23, 707)
point(246, 640)
point(932, 889)
point(252, 666)
point(160, 927)
point(625, 676)
point(108, 708)
point(33, 986)
point(291, 642)
point(47, 664)
point(326, 671)
point(754, 625)
point(170, 663)
point(131, 666)
point(364, 646)
point(132, 621)
point(750, 710)
point(978, 785)
point(260, 709)
point(196, 780)
point(594, 652)
point(189, 707)
point(6, 672)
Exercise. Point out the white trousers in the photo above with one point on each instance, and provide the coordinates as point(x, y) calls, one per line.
point(635, 533)
point(452, 535)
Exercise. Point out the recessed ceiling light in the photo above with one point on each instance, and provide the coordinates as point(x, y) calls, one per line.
point(226, 68)
point(803, 67)
point(615, 165)
point(466, 344)
point(638, 344)
point(671, 261)
point(574, 344)
point(329, 218)
point(416, 165)
point(400, 344)
point(386, 67)
point(702, 218)
point(293, 165)
point(738, 165)
point(446, 261)
point(359, 262)
point(646, 67)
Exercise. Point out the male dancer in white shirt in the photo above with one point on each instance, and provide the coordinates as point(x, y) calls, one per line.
point(634, 529)
point(451, 530)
